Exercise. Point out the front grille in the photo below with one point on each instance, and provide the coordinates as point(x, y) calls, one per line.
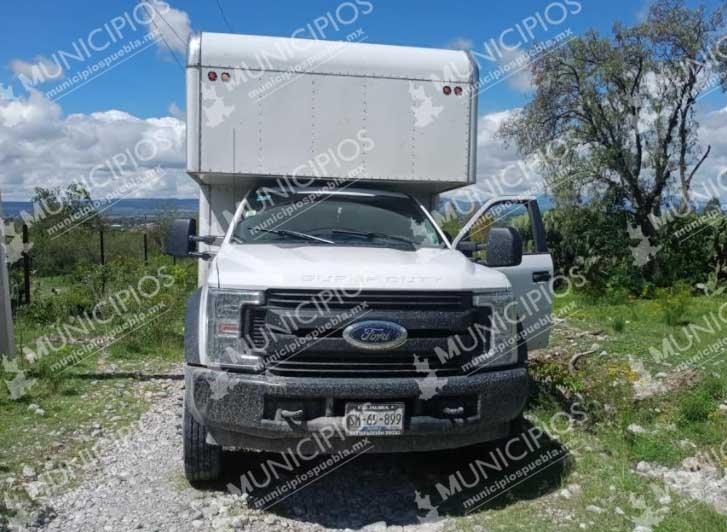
point(374, 299)
point(432, 319)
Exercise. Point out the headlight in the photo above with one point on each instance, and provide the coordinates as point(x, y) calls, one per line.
point(225, 346)
point(502, 327)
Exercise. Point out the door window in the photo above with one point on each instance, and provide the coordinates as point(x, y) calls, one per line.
point(520, 215)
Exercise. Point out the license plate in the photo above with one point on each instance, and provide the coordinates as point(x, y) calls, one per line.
point(374, 419)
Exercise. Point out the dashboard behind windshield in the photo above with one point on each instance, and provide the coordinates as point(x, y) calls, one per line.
point(322, 218)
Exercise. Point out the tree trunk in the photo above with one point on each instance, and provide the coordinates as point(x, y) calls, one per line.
point(643, 220)
point(652, 269)
point(686, 204)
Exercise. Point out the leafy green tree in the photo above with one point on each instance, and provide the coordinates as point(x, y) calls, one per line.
point(72, 205)
point(63, 229)
point(616, 114)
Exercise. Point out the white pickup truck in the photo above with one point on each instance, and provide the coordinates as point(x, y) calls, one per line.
point(331, 306)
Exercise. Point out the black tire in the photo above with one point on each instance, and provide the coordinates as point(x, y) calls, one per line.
point(202, 462)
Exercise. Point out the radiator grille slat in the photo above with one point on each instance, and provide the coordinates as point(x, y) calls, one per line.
point(373, 298)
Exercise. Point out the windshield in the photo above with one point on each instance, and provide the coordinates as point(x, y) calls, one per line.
point(322, 218)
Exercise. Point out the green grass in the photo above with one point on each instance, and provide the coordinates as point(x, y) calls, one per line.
point(73, 393)
point(678, 423)
point(688, 409)
point(645, 323)
point(603, 470)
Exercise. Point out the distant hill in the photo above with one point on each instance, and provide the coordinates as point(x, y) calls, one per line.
point(121, 208)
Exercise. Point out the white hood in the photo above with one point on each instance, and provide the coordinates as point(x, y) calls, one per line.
point(261, 266)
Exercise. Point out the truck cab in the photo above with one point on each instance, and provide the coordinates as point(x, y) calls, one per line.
point(332, 309)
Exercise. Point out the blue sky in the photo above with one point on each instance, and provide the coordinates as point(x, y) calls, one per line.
point(148, 83)
point(52, 139)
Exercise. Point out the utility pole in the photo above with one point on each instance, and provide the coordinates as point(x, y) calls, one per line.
point(7, 333)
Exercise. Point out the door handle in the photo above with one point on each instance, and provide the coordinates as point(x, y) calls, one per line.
point(541, 277)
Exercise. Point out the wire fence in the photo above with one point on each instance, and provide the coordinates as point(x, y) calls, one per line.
point(49, 258)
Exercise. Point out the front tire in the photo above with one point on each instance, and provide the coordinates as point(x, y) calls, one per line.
point(202, 461)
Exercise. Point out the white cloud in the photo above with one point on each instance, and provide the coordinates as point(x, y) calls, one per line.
point(169, 24)
point(500, 170)
point(41, 69)
point(712, 132)
point(107, 151)
point(460, 43)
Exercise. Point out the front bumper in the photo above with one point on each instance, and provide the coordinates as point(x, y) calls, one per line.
point(246, 411)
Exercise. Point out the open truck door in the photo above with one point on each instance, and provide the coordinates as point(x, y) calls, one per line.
point(531, 279)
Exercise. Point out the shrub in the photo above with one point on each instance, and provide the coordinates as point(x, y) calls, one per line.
point(714, 388)
point(59, 304)
point(695, 407)
point(674, 303)
point(557, 375)
point(593, 237)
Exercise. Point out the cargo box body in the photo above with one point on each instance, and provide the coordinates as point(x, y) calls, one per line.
point(265, 107)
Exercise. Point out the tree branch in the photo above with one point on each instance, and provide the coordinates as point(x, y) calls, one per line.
point(701, 160)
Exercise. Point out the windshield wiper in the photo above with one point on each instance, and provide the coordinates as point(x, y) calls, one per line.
point(373, 234)
point(296, 234)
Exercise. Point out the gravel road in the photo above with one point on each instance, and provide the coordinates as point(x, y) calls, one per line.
point(137, 483)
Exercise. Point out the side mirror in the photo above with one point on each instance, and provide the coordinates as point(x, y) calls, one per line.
point(180, 240)
point(504, 247)
point(470, 248)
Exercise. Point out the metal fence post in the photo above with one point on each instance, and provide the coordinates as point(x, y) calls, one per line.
point(146, 250)
point(7, 333)
point(103, 262)
point(26, 264)
point(103, 256)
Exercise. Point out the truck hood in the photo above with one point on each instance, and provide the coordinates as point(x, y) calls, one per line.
point(262, 266)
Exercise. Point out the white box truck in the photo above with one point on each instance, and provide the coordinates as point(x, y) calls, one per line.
point(331, 306)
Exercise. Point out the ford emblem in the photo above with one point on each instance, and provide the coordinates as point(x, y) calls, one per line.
point(374, 334)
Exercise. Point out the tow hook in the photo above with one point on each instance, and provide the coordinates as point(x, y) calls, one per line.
point(293, 417)
point(455, 414)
